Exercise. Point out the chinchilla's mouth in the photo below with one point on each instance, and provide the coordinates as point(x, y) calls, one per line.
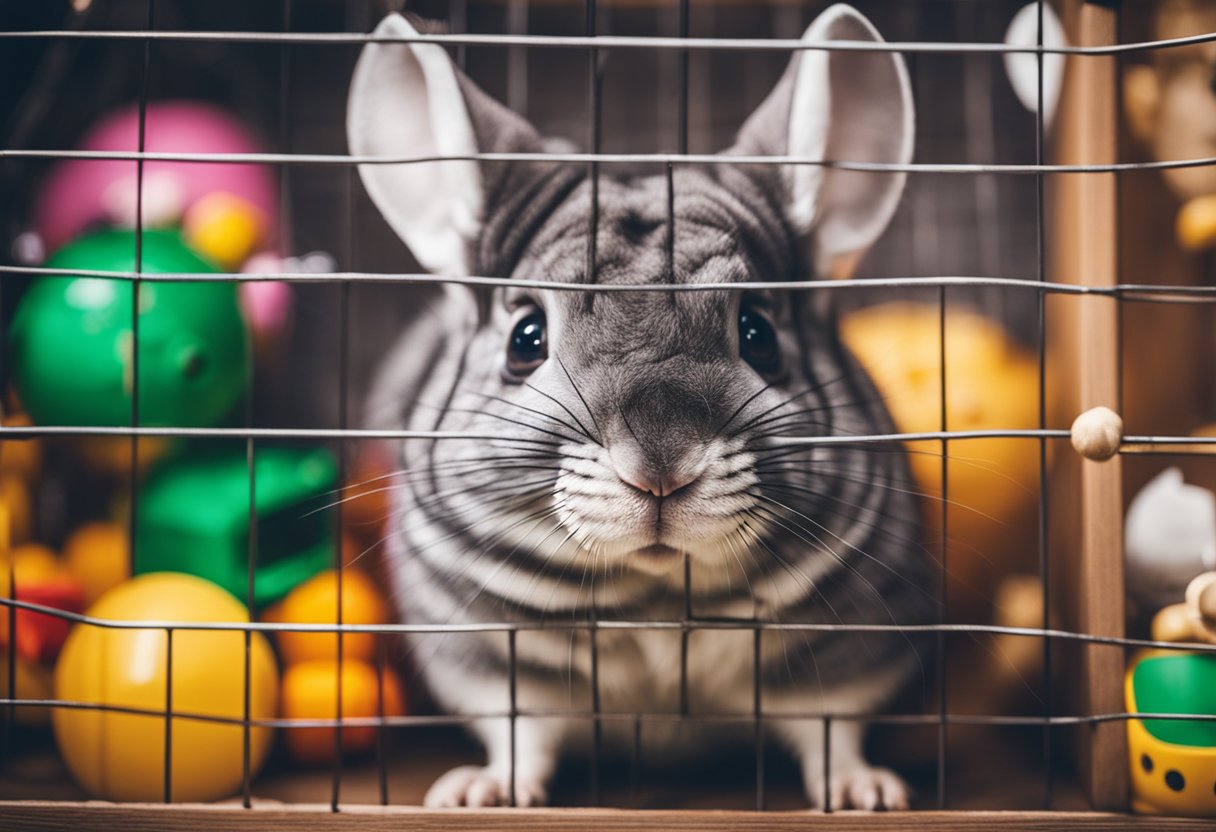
point(658, 551)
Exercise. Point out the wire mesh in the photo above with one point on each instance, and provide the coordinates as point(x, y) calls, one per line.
point(598, 47)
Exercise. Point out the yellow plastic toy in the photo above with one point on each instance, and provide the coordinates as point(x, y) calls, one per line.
point(991, 384)
point(310, 692)
point(118, 756)
point(1173, 762)
point(97, 556)
point(316, 602)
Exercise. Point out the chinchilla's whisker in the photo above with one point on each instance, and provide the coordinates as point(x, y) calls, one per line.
point(503, 492)
point(406, 474)
point(818, 388)
point(825, 530)
point(829, 469)
point(582, 428)
point(814, 590)
point(579, 393)
point(536, 518)
point(835, 555)
point(909, 524)
point(492, 415)
point(469, 485)
point(763, 389)
point(764, 413)
point(390, 488)
point(578, 431)
point(438, 643)
point(797, 530)
point(473, 411)
point(916, 492)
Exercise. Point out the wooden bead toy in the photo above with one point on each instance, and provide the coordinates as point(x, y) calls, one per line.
point(1097, 433)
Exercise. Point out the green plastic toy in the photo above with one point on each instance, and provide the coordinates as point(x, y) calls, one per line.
point(70, 340)
point(194, 518)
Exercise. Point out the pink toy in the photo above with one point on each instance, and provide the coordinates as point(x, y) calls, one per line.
point(237, 205)
point(266, 304)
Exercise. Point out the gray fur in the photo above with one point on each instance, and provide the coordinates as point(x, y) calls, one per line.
point(533, 526)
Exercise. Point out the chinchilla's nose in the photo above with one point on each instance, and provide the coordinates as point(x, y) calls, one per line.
point(661, 480)
point(658, 444)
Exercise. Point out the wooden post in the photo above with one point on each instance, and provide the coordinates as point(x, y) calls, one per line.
point(1085, 337)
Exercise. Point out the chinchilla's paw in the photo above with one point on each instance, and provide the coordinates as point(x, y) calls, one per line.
point(862, 787)
point(477, 786)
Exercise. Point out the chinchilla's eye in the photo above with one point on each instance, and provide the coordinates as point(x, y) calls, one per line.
point(758, 341)
point(528, 346)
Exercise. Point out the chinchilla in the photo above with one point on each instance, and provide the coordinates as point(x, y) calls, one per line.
point(625, 450)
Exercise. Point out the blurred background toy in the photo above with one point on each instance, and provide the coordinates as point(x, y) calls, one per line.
point(1171, 112)
point(98, 556)
point(194, 517)
point(70, 341)
point(316, 602)
point(228, 212)
point(121, 756)
point(1169, 539)
point(39, 579)
point(993, 483)
point(1172, 761)
point(1024, 68)
point(310, 692)
point(33, 681)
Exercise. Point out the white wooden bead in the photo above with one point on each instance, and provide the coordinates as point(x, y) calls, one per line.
point(1097, 433)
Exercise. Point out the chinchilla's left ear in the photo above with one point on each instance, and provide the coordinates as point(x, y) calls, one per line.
point(849, 106)
point(409, 100)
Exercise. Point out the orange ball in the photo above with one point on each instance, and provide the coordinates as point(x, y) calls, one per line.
point(309, 691)
point(21, 458)
point(97, 554)
point(316, 602)
point(32, 563)
point(16, 498)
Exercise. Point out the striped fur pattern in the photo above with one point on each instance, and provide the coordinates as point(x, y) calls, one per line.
point(538, 525)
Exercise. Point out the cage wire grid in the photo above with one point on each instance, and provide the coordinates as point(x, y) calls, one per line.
point(595, 45)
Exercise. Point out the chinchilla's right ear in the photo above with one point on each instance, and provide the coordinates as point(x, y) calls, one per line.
point(409, 100)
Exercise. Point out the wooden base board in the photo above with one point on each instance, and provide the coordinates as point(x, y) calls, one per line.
point(31, 816)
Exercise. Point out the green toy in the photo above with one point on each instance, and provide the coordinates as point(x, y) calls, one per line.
point(71, 337)
point(194, 517)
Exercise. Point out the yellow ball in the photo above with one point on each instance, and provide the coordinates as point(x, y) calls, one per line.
point(120, 756)
point(991, 384)
point(225, 228)
point(96, 555)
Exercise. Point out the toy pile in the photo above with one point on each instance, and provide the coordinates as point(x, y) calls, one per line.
point(199, 517)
